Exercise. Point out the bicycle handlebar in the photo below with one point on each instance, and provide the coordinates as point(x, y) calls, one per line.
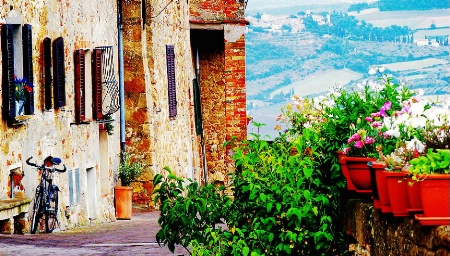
point(30, 163)
point(51, 169)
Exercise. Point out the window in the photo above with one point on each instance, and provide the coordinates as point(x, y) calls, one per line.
point(105, 88)
point(171, 87)
point(16, 44)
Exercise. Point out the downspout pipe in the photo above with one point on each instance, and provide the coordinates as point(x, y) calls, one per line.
point(121, 77)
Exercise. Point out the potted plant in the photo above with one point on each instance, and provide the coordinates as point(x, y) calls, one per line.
point(128, 172)
point(366, 112)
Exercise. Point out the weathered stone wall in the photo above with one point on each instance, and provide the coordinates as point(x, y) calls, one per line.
point(380, 234)
point(82, 24)
point(152, 136)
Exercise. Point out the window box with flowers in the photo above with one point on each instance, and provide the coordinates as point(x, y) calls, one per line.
point(22, 91)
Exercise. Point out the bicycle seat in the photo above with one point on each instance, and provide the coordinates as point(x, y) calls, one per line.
point(56, 160)
point(52, 160)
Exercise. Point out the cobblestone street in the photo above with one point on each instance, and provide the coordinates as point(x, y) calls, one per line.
point(122, 237)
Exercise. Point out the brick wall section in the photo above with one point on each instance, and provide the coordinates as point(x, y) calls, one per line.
point(222, 81)
point(216, 10)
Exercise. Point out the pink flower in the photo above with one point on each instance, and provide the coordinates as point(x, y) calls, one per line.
point(354, 137)
point(377, 124)
point(385, 108)
point(369, 140)
point(376, 114)
point(346, 150)
point(359, 144)
point(369, 119)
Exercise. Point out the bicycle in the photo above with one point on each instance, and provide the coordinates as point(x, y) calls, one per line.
point(46, 196)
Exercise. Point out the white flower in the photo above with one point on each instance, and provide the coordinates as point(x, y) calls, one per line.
point(394, 132)
point(415, 144)
point(420, 92)
point(417, 122)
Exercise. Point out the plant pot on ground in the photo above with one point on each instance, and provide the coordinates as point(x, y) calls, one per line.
point(128, 172)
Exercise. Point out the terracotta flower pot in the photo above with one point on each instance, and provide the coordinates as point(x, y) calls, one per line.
point(435, 195)
point(359, 173)
point(124, 204)
point(413, 191)
point(374, 168)
point(397, 193)
point(385, 204)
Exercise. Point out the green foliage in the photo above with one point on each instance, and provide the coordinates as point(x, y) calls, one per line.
point(435, 161)
point(129, 170)
point(188, 210)
point(283, 204)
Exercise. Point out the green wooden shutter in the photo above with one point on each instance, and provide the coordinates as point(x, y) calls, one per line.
point(59, 83)
point(28, 66)
point(197, 108)
point(8, 72)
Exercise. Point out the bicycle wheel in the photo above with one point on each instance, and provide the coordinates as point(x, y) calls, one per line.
point(52, 212)
point(36, 211)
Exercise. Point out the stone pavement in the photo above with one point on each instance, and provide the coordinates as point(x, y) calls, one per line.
point(121, 237)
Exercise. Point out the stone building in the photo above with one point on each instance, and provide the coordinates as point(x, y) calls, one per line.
point(181, 117)
point(184, 80)
point(55, 45)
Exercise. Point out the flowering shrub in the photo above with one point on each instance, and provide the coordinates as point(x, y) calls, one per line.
point(22, 87)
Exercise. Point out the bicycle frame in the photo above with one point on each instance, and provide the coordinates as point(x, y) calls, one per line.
point(46, 196)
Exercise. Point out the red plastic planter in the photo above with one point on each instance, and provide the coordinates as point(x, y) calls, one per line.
point(397, 193)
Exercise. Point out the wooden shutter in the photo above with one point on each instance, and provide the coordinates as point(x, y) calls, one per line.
point(8, 72)
point(170, 57)
point(28, 66)
point(197, 108)
point(59, 83)
point(97, 83)
point(47, 44)
point(80, 85)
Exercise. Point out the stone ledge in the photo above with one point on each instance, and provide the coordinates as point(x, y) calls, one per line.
point(14, 215)
point(377, 233)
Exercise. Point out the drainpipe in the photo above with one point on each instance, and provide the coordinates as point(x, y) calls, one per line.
point(121, 77)
point(202, 137)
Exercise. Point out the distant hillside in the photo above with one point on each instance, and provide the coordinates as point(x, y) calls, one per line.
point(398, 5)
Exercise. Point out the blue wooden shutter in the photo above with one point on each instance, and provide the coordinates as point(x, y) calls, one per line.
point(172, 90)
point(80, 85)
point(97, 83)
point(28, 66)
point(48, 72)
point(59, 83)
point(8, 72)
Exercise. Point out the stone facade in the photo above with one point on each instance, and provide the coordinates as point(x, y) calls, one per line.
point(208, 39)
point(91, 156)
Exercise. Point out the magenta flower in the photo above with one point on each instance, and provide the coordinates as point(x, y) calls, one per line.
point(377, 124)
point(369, 140)
point(354, 137)
point(385, 108)
point(369, 119)
point(359, 144)
point(376, 114)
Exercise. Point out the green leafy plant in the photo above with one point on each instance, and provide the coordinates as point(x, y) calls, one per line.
point(188, 211)
point(129, 170)
point(283, 204)
point(435, 161)
point(108, 125)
